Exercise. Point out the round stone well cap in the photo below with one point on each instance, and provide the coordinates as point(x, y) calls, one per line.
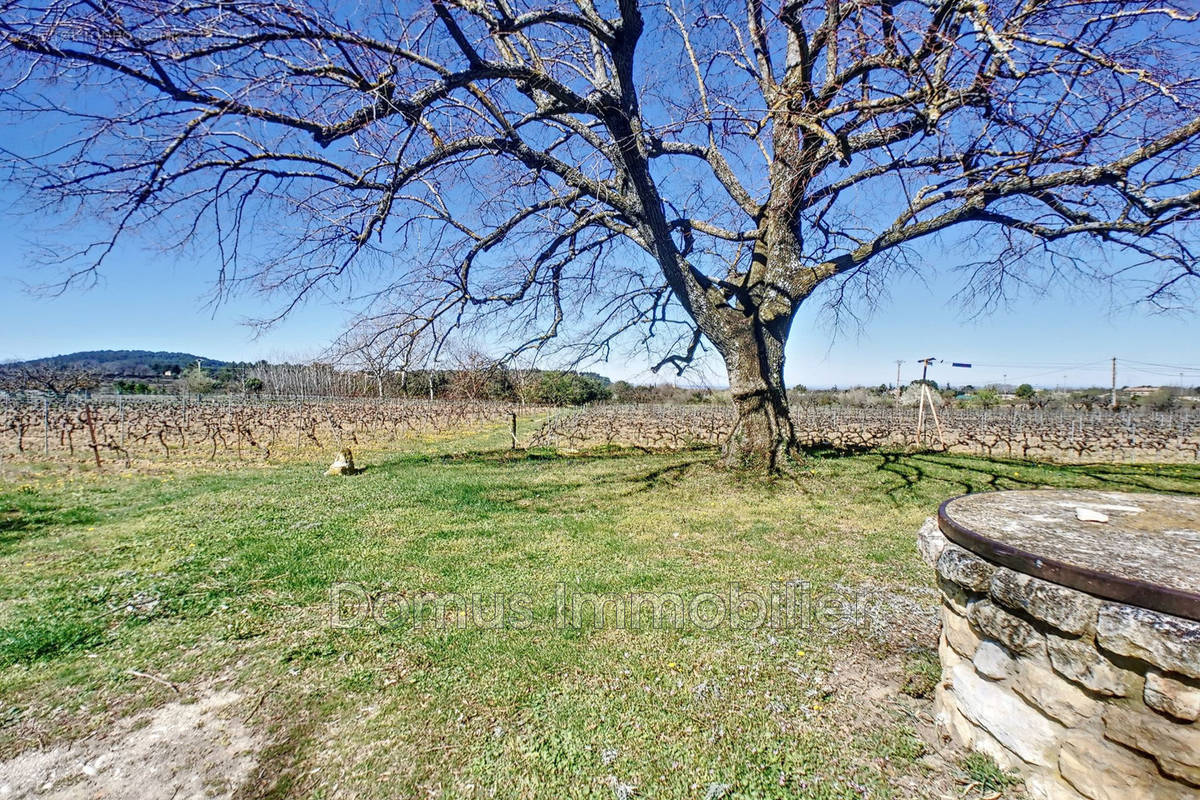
point(1146, 554)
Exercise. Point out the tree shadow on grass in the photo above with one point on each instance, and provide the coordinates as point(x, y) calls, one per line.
point(546, 455)
point(912, 472)
point(664, 476)
point(521, 456)
point(903, 473)
point(949, 474)
point(21, 520)
point(639, 481)
point(1148, 477)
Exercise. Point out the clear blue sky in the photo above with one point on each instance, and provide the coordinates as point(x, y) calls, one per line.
point(147, 300)
point(155, 301)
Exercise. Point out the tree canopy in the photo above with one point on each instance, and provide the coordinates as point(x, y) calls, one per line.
point(687, 173)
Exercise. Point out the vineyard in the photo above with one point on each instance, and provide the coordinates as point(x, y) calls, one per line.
point(129, 431)
point(1066, 436)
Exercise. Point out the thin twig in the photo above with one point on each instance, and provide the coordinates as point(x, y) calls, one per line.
point(262, 697)
point(154, 678)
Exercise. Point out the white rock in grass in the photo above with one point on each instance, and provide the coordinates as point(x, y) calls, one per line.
point(343, 464)
point(1090, 515)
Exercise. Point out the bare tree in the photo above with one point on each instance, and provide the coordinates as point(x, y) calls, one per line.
point(472, 371)
point(687, 170)
point(375, 349)
point(383, 345)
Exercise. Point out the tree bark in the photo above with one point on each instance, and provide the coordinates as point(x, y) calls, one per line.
point(763, 436)
point(752, 338)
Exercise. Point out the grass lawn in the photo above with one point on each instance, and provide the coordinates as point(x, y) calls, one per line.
point(223, 579)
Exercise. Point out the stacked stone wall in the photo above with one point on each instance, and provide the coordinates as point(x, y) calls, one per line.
point(1084, 697)
point(1066, 437)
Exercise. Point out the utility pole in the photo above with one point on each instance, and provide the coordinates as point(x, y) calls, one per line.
point(898, 363)
point(1114, 384)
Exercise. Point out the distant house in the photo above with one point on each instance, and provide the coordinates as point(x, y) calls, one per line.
point(1140, 391)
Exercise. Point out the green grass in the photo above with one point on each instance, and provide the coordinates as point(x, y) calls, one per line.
point(922, 671)
point(984, 772)
point(198, 577)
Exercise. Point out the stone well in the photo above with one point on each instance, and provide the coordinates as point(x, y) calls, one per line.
point(1070, 649)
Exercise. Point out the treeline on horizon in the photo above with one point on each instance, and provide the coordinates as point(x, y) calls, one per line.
point(487, 382)
point(481, 381)
point(493, 382)
point(260, 379)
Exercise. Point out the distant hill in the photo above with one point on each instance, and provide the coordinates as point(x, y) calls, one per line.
point(123, 363)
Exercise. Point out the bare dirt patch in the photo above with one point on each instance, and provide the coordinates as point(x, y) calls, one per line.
point(182, 750)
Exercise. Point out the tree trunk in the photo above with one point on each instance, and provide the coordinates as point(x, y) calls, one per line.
point(768, 294)
point(763, 436)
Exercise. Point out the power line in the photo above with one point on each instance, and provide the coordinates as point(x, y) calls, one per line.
point(1172, 368)
point(1053, 365)
point(1084, 372)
